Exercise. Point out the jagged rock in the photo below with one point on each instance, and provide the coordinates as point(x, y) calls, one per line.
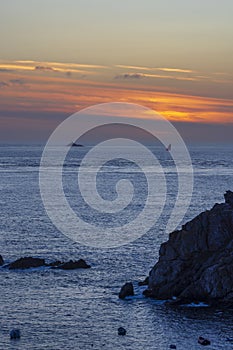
point(71, 265)
point(196, 263)
point(1, 260)
point(25, 263)
point(126, 290)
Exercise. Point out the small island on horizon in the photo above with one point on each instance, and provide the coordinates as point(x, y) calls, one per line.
point(74, 144)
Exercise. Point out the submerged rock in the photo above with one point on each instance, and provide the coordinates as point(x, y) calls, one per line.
point(1, 260)
point(25, 263)
point(126, 290)
point(196, 263)
point(203, 341)
point(29, 262)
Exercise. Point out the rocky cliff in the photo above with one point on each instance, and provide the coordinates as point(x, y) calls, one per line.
point(196, 263)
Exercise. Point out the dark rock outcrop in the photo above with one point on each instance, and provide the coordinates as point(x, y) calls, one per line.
point(229, 198)
point(196, 263)
point(203, 341)
point(25, 263)
point(15, 333)
point(1, 260)
point(126, 290)
point(71, 265)
point(29, 262)
point(121, 331)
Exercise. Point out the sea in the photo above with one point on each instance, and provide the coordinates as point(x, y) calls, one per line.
point(80, 309)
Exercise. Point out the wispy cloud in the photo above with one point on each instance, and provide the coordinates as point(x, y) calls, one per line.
point(130, 76)
point(46, 67)
point(175, 70)
point(102, 73)
point(165, 69)
point(173, 77)
point(56, 95)
point(12, 82)
point(155, 76)
point(17, 81)
point(132, 67)
point(51, 89)
point(177, 74)
point(5, 70)
point(67, 65)
point(13, 66)
point(3, 84)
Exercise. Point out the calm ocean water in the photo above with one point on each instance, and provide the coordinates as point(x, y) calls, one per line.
point(80, 309)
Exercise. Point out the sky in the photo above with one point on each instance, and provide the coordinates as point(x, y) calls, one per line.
point(59, 56)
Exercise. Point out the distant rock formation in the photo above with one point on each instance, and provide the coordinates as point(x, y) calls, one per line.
point(25, 263)
point(71, 265)
point(196, 263)
point(29, 262)
point(74, 144)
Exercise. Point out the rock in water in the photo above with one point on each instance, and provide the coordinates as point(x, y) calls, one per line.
point(203, 341)
point(126, 290)
point(196, 263)
point(172, 346)
point(27, 262)
point(121, 331)
point(15, 333)
point(1, 260)
point(71, 265)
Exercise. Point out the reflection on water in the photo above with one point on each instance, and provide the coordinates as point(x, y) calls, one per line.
point(80, 309)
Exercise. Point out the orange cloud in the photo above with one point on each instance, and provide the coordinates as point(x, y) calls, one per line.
point(59, 93)
point(175, 70)
point(57, 64)
point(49, 67)
point(132, 67)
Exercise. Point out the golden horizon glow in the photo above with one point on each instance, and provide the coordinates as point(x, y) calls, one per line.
point(58, 87)
point(106, 71)
point(56, 94)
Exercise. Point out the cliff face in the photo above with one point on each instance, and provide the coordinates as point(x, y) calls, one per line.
point(196, 263)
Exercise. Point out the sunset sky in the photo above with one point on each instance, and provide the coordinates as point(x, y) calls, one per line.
point(59, 56)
